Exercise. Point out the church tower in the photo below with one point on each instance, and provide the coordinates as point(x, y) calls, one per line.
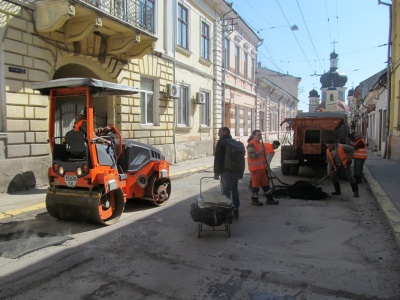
point(331, 99)
point(313, 100)
point(333, 78)
point(333, 88)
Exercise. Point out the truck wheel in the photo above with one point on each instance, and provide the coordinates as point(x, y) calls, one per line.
point(293, 169)
point(285, 169)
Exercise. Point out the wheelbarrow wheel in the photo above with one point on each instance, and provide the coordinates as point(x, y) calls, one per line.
point(228, 229)
point(198, 230)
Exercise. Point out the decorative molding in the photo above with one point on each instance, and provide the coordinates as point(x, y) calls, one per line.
point(79, 29)
point(122, 43)
point(51, 16)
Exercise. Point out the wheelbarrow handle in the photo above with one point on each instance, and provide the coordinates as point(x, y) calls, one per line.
point(206, 177)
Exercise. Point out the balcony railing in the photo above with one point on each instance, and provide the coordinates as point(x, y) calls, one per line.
point(138, 13)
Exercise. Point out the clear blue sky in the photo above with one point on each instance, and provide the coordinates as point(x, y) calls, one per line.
point(359, 28)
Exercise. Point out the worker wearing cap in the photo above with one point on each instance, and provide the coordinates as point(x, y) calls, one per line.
point(257, 166)
point(360, 155)
point(339, 158)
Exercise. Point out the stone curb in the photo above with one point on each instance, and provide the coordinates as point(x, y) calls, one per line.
point(183, 173)
point(390, 211)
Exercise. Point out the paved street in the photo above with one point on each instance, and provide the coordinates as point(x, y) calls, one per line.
point(338, 248)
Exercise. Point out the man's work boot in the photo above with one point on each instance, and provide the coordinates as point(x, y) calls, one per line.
point(270, 200)
point(354, 188)
point(254, 200)
point(236, 213)
point(337, 191)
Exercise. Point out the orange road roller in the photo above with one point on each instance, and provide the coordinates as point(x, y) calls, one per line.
point(94, 171)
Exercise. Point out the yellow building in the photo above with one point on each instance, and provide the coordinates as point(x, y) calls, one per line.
point(197, 67)
point(394, 110)
point(127, 42)
point(44, 40)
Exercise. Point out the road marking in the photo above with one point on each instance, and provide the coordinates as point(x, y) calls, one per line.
point(13, 213)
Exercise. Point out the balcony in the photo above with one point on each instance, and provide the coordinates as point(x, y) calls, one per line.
point(120, 28)
point(138, 14)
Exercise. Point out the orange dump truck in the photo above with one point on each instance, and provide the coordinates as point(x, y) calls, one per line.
point(306, 136)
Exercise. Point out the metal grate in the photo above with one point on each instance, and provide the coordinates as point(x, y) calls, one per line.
point(138, 13)
point(65, 118)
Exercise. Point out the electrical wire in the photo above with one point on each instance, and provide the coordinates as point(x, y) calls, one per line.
point(298, 43)
point(309, 35)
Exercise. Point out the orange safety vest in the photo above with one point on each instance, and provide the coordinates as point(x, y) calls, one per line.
point(361, 153)
point(269, 148)
point(343, 156)
point(259, 163)
point(78, 124)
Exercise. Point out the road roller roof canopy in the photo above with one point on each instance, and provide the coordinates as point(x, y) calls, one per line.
point(97, 87)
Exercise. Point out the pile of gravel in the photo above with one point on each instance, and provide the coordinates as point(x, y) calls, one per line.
point(301, 190)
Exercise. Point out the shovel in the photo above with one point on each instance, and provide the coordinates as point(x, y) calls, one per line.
point(319, 181)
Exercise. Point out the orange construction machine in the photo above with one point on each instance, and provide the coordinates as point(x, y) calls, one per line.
point(94, 171)
point(310, 131)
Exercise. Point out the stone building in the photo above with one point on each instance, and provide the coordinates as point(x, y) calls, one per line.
point(127, 42)
point(277, 99)
point(370, 110)
point(238, 77)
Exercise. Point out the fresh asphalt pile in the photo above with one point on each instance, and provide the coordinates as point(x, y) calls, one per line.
point(300, 190)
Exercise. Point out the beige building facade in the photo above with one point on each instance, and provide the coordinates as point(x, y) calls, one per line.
point(45, 40)
point(277, 99)
point(171, 50)
point(239, 100)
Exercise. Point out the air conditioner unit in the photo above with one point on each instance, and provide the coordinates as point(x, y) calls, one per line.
point(200, 98)
point(173, 90)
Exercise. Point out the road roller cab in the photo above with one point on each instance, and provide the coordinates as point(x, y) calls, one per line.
point(94, 171)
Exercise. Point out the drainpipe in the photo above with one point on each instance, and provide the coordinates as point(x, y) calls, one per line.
point(257, 82)
point(389, 79)
point(175, 4)
point(279, 112)
point(224, 69)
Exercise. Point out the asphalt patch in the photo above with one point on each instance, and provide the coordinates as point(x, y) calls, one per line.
point(14, 246)
point(301, 190)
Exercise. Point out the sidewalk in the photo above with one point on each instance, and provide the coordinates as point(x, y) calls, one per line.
point(187, 167)
point(382, 175)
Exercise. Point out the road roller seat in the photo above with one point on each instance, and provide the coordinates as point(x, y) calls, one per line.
point(76, 143)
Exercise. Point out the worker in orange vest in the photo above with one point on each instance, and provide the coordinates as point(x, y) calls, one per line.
point(339, 158)
point(360, 155)
point(257, 166)
point(270, 150)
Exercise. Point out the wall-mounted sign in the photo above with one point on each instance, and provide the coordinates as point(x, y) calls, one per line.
point(17, 70)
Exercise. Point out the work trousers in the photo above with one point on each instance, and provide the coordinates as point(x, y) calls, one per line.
point(230, 181)
point(358, 167)
point(259, 179)
point(346, 171)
